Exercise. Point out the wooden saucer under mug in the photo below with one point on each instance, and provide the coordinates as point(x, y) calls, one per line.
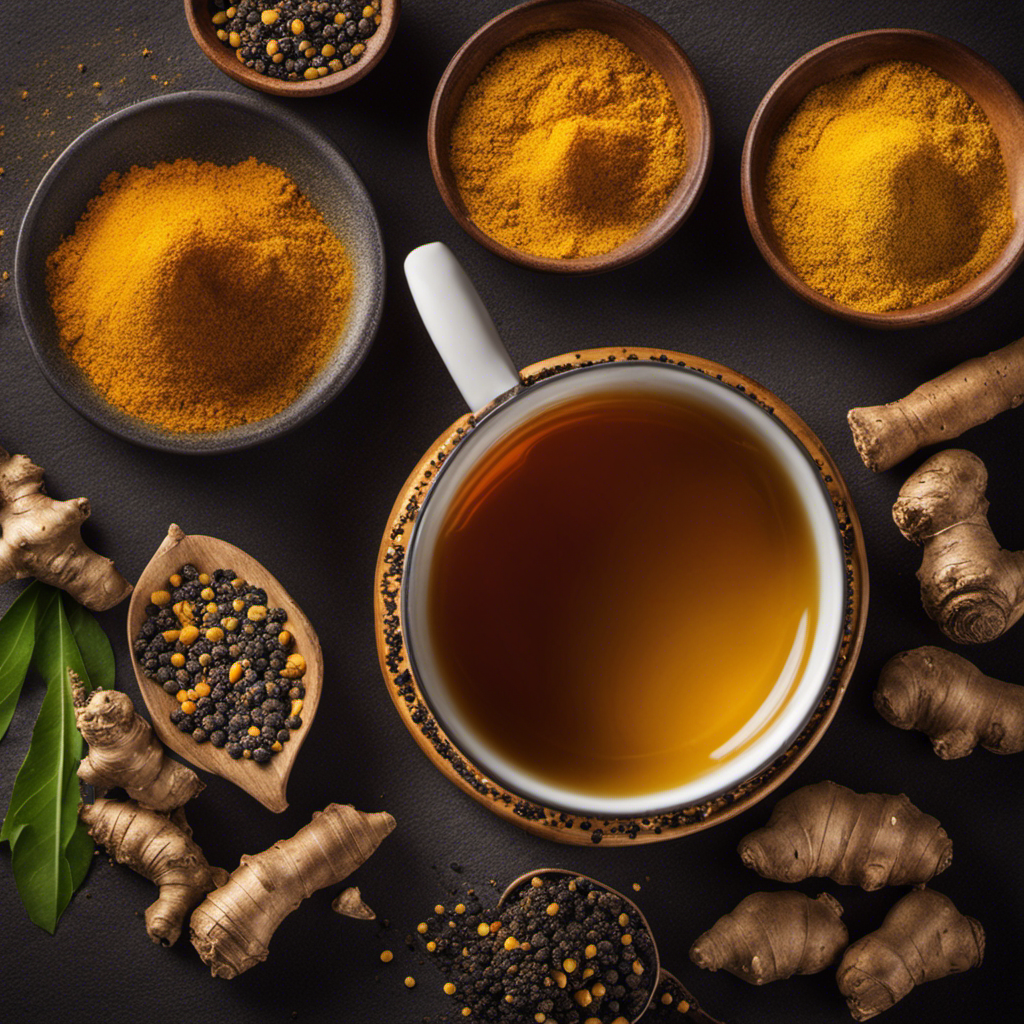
point(563, 826)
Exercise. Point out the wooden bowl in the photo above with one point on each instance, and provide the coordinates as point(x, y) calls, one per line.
point(963, 67)
point(572, 827)
point(265, 782)
point(525, 878)
point(200, 23)
point(641, 35)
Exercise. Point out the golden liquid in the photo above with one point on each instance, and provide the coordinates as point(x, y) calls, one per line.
point(616, 590)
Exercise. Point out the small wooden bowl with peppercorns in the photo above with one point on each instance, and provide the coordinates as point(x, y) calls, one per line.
point(252, 39)
point(264, 781)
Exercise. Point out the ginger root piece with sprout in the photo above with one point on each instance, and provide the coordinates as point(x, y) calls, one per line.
point(160, 849)
point(124, 752)
point(774, 935)
point(868, 839)
point(970, 586)
point(966, 396)
point(952, 702)
point(923, 938)
point(233, 926)
point(42, 537)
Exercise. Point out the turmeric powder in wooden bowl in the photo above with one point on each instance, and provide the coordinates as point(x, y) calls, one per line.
point(883, 178)
point(571, 136)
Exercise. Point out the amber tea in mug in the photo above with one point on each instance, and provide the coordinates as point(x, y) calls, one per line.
point(623, 592)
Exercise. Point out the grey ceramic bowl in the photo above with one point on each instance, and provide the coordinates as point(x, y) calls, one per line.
point(222, 128)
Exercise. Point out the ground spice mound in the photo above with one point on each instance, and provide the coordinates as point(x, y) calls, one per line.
point(197, 297)
point(566, 145)
point(561, 949)
point(887, 188)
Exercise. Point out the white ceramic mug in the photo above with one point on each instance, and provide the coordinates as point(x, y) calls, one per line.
point(465, 337)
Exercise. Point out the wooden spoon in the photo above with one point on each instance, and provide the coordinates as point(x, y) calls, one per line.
point(265, 782)
point(696, 1012)
point(524, 879)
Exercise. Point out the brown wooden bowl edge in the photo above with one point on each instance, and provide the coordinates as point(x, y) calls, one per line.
point(667, 222)
point(968, 295)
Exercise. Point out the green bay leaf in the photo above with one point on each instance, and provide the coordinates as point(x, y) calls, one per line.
point(47, 847)
point(17, 638)
point(93, 645)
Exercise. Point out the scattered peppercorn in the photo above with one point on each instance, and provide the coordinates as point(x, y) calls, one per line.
point(293, 40)
point(236, 687)
point(520, 962)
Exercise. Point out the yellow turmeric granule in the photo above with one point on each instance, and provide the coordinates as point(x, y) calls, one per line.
point(566, 145)
point(197, 297)
point(887, 189)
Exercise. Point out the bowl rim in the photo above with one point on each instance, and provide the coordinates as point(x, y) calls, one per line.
point(228, 65)
point(152, 437)
point(656, 231)
point(968, 295)
point(697, 390)
point(546, 822)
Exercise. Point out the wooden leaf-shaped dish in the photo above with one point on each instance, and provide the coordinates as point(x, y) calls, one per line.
point(265, 782)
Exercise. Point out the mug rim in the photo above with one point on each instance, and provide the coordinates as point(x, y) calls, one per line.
point(804, 696)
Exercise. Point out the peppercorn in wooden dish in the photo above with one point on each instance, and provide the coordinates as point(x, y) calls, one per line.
point(296, 41)
point(560, 948)
point(212, 642)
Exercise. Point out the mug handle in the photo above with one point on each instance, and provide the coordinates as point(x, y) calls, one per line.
point(459, 325)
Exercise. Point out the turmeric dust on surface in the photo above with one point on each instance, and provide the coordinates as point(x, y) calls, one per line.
point(566, 145)
point(197, 297)
point(887, 189)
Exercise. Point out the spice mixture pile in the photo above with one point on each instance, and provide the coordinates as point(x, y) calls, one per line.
point(560, 949)
point(296, 41)
point(196, 297)
point(211, 641)
point(887, 188)
point(567, 145)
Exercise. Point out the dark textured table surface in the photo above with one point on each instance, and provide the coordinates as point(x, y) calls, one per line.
point(312, 506)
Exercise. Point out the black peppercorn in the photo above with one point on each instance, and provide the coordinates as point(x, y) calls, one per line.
point(226, 708)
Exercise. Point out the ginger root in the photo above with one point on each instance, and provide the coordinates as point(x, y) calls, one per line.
point(923, 938)
point(124, 752)
point(349, 903)
point(967, 396)
point(42, 537)
point(952, 702)
point(866, 839)
point(160, 849)
point(233, 926)
point(774, 935)
point(970, 586)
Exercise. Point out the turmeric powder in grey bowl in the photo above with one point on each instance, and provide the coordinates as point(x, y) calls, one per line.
point(196, 297)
